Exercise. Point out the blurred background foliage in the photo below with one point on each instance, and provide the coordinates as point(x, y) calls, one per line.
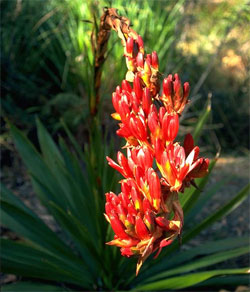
point(46, 62)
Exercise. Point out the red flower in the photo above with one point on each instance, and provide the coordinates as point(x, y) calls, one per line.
point(155, 168)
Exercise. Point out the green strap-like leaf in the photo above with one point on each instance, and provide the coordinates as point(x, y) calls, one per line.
point(33, 286)
point(31, 227)
point(204, 199)
point(83, 241)
point(229, 207)
point(37, 167)
point(188, 280)
point(191, 195)
point(200, 263)
point(22, 259)
point(19, 218)
point(202, 120)
point(225, 281)
point(183, 257)
point(49, 149)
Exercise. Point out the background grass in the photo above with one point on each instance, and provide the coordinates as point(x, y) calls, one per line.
point(46, 60)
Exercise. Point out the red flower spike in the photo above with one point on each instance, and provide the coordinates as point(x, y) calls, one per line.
point(155, 62)
point(140, 214)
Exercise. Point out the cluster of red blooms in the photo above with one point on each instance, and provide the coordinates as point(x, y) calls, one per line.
point(156, 168)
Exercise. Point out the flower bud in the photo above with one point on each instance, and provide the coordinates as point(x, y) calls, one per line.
point(141, 229)
point(131, 210)
point(146, 100)
point(129, 46)
point(146, 205)
point(126, 86)
point(159, 148)
point(170, 126)
point(153, 119)
point(167, 86)
point(155, 62)
point(122, 160)
point(162, 111)
point(136, 199)
point(186, 89)
point(154, 188)
point(140, 44)
point(140, 60)
point(118, 90)
point(118, 227)
point(115, 101)
point(149, 220)
point(144, 158)
point(138, 88)
point(178, 92)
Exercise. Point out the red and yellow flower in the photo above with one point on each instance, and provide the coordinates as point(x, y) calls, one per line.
point(156, 168)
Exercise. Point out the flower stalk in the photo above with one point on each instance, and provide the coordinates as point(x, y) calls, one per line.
point(146, 215)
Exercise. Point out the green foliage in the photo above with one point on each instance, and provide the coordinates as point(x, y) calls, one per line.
point(48, 57)
point(73, 250)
